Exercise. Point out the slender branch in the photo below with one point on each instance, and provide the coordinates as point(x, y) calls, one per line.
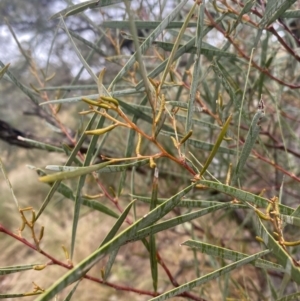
point(276, 166)
point(54, 261)
point(245, 56)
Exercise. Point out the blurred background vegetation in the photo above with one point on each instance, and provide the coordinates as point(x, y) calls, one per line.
point(42, 58)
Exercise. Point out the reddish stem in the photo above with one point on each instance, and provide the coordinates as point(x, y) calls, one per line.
point(245, 56)
point(94, 279)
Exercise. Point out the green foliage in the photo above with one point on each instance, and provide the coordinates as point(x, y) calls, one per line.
point(199, 124)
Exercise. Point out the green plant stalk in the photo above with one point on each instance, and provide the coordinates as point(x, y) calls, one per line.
point(3, 70)
point(249, 143)
point(152, 243)
point(8, 183)
point(242, 104)
point(213, 275)
point(216, 146)
point(197, 67)
point(245, 196)
point(175, 47)
point(75, 173)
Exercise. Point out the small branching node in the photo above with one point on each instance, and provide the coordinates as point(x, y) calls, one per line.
point(30, 223)
point(111, 189)
point(102, 130)
point(57, 109)
point(259, 239)
point(235, 201)
point(228, 175)
point(262, 192)
point(36, 290)
point(263, 216)
point(92, 197)
point(39, 267)
point(86, 112)
point(152, 162)
point(218, 9)
point(99, 104)
point(41, 233)
point(110, 100)
point(155, 83)
point(161, 109)
point(67, 256)
point(47, 79)
point(197, 178)
point(176, 144)
point(138, 145)
point(219, 103)
point(186, 137)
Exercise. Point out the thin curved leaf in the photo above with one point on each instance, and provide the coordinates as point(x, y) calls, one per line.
point(251, 138)
point(111, 168)
point(67, 192)
point(274, 9)
point(152, 240)
point(245, 196)
point(73, 174)
point(145, 24)
point(216, 145)
point(110, 235)
point(202, 144)
point(3, 70)
point(18, 84)
point(19, 295)
point(213, 275)
point(78, 198)
point(294, 296)
point(117, 225)
point(80, 7)
point(206, 49)
point(42, 145)
point(178, 221)
point(71, 293)
point(79, 55)
point(191, 203)
point(197, 70)
point(8, 183)
point(17, 268)
point(224, 253)
point(291, 14)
